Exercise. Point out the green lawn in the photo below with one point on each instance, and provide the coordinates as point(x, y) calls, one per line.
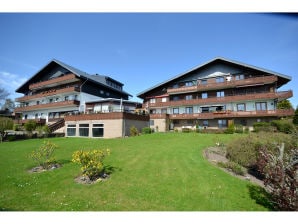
point(157, 172)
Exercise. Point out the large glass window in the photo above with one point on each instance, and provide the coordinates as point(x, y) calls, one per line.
point(189, 110)
point(188, 97)
point(71, 130)
point(239, 77)
point(97, 130)
point(222, 123)
point(152, 100)
point(84, 130)
point(220, 79)
point(176, 98)
point(204, 95)
point(189, 83)
point(205, 123)
point(220, 94)
point(175, 110)
point(241, 107)
point(261, 106)
point(204, 82)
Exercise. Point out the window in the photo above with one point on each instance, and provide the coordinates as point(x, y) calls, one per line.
point(175, 98)
point(84, 130)
point(220, 79)
point(97, 130)
point(163, 111)
point(71, 130)
point(152, 100)
point(206, 123)
point(205, 109)
point(188, 110)
point(151, 122)
point(189, 83)
point(241, 107)
point(188, 97)
point(261, 106)
point(222, 123)
point(239, 77)
point(204, 95)
point(175, 86)
point(164, 99)
point(204, 81)
point(220, 94)
point(66, 98)
point(175, 110)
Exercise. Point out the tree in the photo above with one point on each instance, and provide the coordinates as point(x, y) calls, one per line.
point(284, 104)
point(3, 94)
point(30, 126)
point(295, 118)
point(5, 124)
point(8, 105)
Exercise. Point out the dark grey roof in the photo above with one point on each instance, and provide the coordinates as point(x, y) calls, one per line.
point(288, 78)
point(100, 79)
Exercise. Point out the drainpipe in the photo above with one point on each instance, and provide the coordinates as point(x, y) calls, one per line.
point(81, 94)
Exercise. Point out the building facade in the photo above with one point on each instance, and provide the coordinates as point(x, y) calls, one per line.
point(215, 94)
point(59, 90)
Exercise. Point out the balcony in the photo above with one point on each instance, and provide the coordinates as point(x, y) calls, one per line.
point(70, 78)
point(48, 93)
point(223, 85)
point(39, 121)
point(221, 100)
point(233, 114)
point(61, 104)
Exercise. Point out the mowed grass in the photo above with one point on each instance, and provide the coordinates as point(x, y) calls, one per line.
point(157, 172)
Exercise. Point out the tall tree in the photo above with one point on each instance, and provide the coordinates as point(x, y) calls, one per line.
point(8, 105)
point(284, 104)
point(295, 118)
point(3, 94)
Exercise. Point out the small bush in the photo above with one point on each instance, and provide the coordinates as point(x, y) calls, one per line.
point(238, 128)
point(186, 130)
point(30, 125)
point(134, 131)
point(263, 126)
point(44, 154)
point(91, 162)
point(146, 130)
point(230, 129)
point(285, 126)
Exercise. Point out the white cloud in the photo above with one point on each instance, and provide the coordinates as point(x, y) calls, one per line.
point(10, 82)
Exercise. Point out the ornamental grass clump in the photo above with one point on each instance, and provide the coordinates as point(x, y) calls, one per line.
point(91, 162)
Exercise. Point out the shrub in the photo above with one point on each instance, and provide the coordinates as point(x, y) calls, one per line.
point(146, 130)
point(238, 128)
point(295, 118)
point(186, 130)
point(30, 125)
point(134, 131)
point(91, 162)
point(280, 171)
point(285, 125)
point(230, 129)
point(5, 124)
point(44, 154)
point(262, 126)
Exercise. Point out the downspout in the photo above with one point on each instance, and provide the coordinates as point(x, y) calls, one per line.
point(81, 94)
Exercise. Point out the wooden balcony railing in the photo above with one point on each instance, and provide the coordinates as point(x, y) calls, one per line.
point(224, 85)
point(54, 82)
point(39, 121)
point(226, 99)
point(68, 103)
point(233, 114)
point(48, 93)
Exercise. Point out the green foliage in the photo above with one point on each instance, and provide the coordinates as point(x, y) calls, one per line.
point(43, 156)
point(5, 124)
point(146, 130)
point(30, 125)
point(285, 125)
point(134, 131)
point(295, 118)
point(239, 128)
point(186, 130)
point(234, 167)
point(284, 104)
point(263, 126)
point(245, 150)
point(230, 129)
point(91, 162)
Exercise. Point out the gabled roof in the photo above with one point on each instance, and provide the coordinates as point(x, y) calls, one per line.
point(99, 79)
point(285, 78)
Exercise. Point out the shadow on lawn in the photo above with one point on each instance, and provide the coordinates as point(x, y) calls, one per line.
point(261, 196)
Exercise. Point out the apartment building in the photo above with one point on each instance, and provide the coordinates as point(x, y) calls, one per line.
point(59, 90)
point(215, 94)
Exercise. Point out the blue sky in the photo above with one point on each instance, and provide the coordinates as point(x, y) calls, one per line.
point(144, 49)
